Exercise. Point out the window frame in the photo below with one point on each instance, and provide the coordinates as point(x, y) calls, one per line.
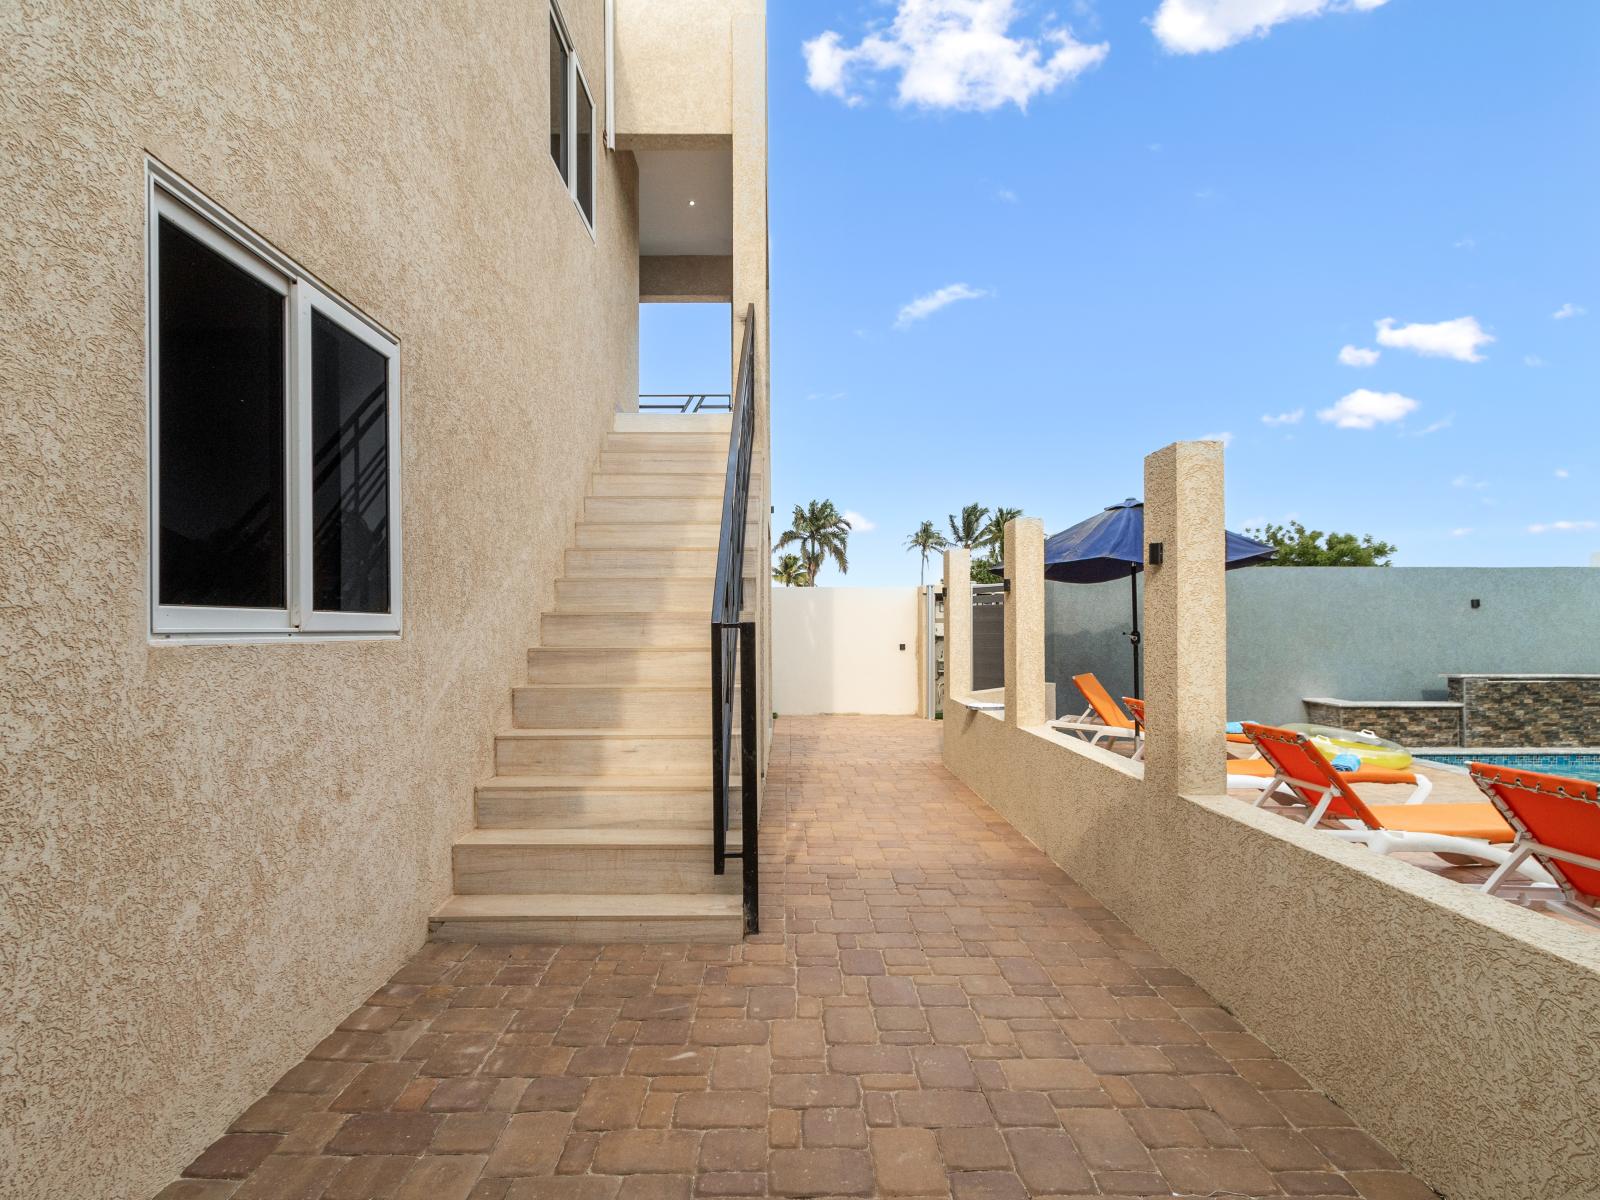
point(169, 198)
point(577, 78)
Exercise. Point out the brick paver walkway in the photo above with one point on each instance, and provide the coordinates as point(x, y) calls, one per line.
point(933, 1009)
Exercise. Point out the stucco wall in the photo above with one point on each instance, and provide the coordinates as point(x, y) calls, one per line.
point(1355, 633)
point(837, 650)
point(1457, 1028)
point(212, 853)
point(674, 70)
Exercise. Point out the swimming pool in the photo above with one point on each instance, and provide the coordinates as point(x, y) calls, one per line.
point(1573, 766)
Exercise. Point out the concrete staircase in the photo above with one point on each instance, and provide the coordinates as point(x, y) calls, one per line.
point(596, 825)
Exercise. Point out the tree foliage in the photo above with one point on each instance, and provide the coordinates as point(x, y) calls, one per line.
point(821, 532)
point(1298, 546)
point(928, 540)
point(967, 531)
point(790, 572)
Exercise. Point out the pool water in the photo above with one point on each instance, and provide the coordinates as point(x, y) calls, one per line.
point(1573, 766)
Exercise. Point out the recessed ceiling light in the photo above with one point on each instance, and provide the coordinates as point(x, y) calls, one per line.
point(691, 204)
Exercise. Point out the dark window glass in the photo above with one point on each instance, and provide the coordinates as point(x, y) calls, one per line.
point(220, 348)
point(558, 99)
point(349, 472)
point(585, 163)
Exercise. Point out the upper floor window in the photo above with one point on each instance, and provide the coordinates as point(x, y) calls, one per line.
point(572, 135)
point(274, 422)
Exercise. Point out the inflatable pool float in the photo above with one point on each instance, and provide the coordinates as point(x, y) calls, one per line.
point(1372, 750)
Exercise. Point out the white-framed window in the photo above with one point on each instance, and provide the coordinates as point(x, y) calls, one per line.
point(274, 439)
point(572, 120)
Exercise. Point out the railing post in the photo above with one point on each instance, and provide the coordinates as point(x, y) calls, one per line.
point(749, 796)
point(719, 758)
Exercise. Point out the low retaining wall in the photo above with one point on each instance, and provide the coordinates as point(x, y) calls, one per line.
point(1457, 1028)
point(1528, 710)
point(1409, 722)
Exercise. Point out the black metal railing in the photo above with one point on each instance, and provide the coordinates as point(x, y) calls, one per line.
point(733, 648)
point(685, 402)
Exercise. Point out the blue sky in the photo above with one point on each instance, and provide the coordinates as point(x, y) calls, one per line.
point(1167, 240)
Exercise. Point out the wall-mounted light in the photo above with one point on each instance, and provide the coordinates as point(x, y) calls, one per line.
point(1476, 603)
point(1158, 552)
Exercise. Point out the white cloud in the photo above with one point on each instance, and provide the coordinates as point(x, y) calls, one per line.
point(858, 523)
point(1463, 531)
point(1436, 426)
point(1568, 310)
point(1357, 356)
point(1532, 360)
point(1458, 339)
point(955, 54)
point(1563, 473)
point(1201, 26)
point(1284, 418)
point(1006, 196)
point(1467, 481)
point(1225, 438)
point(1467, 243)
point(1364, 409)
point(1563, 527)
point(926, 306)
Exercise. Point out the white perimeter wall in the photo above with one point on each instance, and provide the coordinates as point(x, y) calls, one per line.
point(837, 650)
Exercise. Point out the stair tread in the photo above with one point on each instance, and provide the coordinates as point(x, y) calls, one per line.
point(631, 733)
point(616, 687)
point(595, 783)
point(577, 906)
point(580, 836)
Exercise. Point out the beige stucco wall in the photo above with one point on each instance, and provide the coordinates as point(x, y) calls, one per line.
point(674, 65)
point(837, 650)
point(212, 853)
point(1458, 1029)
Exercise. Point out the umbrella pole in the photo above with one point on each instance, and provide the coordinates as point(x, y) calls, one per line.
point(1133, 637)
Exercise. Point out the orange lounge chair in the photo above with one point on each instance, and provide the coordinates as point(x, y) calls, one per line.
point(1136, 707)
point(1102, 720)
point(1475, 830)
point(1251, 774)
point(1557, 823)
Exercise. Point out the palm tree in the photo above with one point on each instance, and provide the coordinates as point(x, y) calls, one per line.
point(926, 539)
point(994, 531)
point(791, 572)
point(821, 533)
point(969, 533)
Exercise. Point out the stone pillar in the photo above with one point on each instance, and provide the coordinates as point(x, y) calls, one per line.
point(957, 624)
point(1024, 653)
point(1185, 620)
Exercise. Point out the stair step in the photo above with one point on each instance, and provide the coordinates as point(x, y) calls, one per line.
point(647, 917)
point(678, 707)
point(603, 753)
point(659, 485)
point(653, 510)
point(713, 464)
point(622, 664)
point(630, 564)
point(675, 535)
point(586, 861)
point(557, 801)
point(687, 442)
point(645, 629)
point(601, 595)
point(658, 422)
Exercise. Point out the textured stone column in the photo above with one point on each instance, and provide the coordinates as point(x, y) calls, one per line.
point(1024, 653)
point(1185, 619)
point(957, 624)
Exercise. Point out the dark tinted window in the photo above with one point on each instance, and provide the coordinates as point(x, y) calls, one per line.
point(221, 397)
point(585, 164)
point(558, 99)
point(349, 472)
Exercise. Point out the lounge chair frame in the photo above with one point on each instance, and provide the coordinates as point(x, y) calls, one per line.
point(1572, 901)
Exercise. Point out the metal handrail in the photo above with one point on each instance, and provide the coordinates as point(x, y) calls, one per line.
point(733, 648)
point(685, 402)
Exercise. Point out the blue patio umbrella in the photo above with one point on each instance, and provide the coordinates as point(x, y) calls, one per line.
point(1110, 544)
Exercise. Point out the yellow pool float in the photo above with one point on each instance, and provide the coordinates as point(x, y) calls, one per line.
point(1372, 750)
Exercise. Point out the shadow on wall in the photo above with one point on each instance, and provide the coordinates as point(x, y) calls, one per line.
point(1356, 633)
